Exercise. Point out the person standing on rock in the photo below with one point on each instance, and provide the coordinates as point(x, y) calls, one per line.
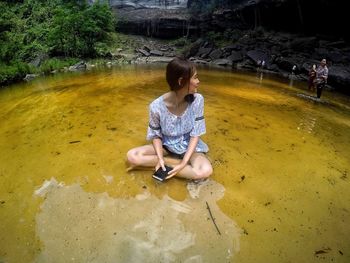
point(176, 122)
point(321, 77)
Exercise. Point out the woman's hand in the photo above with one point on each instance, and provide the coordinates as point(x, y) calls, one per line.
point(160, 164)
point(175, 170)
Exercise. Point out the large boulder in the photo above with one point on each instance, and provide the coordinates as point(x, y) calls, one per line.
point(304, 44)
point(288, 64)
point(339, 77)
point(215, 54)
point(259, 57)
point(235, 56)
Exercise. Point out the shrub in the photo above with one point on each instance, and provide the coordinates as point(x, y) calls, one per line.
point(13, 72)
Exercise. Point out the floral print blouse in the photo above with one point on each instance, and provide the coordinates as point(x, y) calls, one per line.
point(176, 131)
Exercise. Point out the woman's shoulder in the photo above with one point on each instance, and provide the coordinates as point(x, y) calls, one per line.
point(198, 98)
point(198, 95)
point(155, 104)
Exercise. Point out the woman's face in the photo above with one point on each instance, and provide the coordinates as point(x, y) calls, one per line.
point(193, 84)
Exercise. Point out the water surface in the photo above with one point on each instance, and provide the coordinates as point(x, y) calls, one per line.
point(279, 191)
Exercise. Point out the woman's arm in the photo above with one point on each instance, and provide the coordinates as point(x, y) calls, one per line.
point(158, 147)
point(190, 150)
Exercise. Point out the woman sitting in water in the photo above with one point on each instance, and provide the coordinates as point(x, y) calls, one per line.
point(176, 121)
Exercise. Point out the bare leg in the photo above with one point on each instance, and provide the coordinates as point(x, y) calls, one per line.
point(145, 156)
point(199, 168)
point(142, 156)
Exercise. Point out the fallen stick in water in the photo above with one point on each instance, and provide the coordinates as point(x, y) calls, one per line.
point(213, 218)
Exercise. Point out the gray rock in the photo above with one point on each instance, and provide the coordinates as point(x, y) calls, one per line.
point(156, 53)
point(286, 64)
point(320, 53)
point(339, 76)
point(236, 47)
point(336, 56)
point(235, 56)
point(304, 44)
point(157, 59)
point(215, 54)
point(258, 56)
point(199, 61)
point(79, 66)
point(30, 77)
point(222, 62)
point(194, 48)
point(204, 52)
point(144, 52)
point(38, 60)
point(147, 48)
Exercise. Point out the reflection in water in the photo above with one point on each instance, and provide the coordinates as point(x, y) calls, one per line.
point(291, 79)
point(307, 123)
point(287, 188)
point(308, 120)
point(260, 75)
point(85, 227)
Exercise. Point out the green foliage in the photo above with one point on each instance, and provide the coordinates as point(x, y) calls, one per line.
point(224, 38)
point(102, 49)
point(55, 64)
point(181, 42)
point(66, 28)
point(15, 71)
point(76, 30)
point(53, 27)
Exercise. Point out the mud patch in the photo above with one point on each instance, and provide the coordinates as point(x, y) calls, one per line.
point(74, 225)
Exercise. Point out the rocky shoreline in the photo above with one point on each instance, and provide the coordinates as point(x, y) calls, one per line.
point(279, 53)
point(276, 53)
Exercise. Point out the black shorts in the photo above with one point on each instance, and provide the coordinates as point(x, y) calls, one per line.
point(174, 155)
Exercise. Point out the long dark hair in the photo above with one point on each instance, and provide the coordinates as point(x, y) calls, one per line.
point(180, 68)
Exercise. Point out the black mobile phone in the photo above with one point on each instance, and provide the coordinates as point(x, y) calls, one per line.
point(160, 175)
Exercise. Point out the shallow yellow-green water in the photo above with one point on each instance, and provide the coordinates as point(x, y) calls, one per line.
point(279, 191)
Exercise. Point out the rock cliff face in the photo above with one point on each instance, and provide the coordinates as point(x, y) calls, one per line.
point(158, 4)
point(160, 23)
point(326, 18)
point(157, 18)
